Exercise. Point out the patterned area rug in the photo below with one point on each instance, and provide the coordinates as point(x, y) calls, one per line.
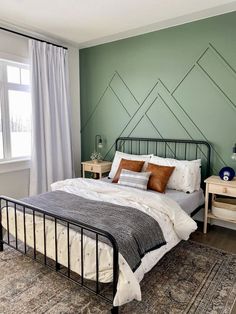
point(192, 278)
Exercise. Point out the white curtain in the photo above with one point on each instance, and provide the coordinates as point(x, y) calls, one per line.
point(51, 133)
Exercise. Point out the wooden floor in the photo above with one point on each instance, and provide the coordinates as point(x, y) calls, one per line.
point(218, 237)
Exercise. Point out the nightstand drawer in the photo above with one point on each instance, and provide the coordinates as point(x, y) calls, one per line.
point(106, 168)
point(92, 168)
point(101, 167)
point(221, 189)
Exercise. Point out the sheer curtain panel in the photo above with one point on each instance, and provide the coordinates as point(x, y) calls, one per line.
point(51, 119)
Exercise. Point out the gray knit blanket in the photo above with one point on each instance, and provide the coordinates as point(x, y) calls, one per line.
point(136, 233)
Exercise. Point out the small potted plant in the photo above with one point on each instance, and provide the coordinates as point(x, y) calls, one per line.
point(96, 157)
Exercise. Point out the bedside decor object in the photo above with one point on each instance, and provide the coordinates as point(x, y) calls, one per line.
point(96, 157)
point(227, 173)
point(98, 142)
point(234, 153)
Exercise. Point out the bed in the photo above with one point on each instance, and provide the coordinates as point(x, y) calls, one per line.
point(91, 256)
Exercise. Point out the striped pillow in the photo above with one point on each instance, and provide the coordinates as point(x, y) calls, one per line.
point(134, 179)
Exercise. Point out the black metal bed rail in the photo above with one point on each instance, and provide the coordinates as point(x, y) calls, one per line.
point(26, 209)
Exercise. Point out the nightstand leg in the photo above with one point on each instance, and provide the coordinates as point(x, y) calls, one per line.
point(206, 209)
point(1, 238)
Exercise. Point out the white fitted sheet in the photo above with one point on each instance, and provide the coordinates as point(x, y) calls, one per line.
point(187, 201)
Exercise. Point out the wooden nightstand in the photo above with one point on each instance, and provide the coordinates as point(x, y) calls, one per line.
point(100, 167)
point(214, 185)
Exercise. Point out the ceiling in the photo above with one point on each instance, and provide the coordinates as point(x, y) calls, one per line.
point(89, 22)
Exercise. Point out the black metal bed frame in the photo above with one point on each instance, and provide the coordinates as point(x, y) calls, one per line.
point(202, 150)
point(6, 202)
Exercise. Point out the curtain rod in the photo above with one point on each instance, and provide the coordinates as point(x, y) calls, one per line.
point(31, 37)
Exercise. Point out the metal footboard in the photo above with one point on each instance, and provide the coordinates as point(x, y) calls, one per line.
point(22, 246)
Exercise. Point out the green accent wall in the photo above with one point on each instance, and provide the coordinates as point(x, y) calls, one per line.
point(174, 83)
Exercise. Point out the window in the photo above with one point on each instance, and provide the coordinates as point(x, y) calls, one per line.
point(15, 113)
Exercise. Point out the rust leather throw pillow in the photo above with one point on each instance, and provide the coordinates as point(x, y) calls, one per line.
point(159, 177)
point(132, 165)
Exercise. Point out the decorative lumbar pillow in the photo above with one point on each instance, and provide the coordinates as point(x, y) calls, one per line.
point(134, 179)
point(133, 165)
point(187, 174)
point(119, 155)
point(159, 177)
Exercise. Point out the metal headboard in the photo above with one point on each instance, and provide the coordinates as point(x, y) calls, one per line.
point(171, 148)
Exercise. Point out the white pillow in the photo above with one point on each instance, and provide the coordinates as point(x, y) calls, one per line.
point(186, 176)
point(134, 179)
point(120, 155)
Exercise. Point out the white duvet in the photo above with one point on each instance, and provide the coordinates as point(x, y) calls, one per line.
point(174, 222)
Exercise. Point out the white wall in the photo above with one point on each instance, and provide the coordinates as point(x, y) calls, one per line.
point(11, 44)
point(15, 183)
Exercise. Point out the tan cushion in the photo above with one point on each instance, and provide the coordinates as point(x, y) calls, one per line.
point(159, 177)
point(132, 165)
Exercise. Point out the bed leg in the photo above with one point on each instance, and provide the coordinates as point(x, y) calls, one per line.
point(58, 266)
point(1, 231)
point(1, 238)
point(115, 310)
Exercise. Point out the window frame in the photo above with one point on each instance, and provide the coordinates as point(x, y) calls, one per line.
point(5, 86)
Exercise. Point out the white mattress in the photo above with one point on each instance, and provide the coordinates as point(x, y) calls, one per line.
point(187, 201)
